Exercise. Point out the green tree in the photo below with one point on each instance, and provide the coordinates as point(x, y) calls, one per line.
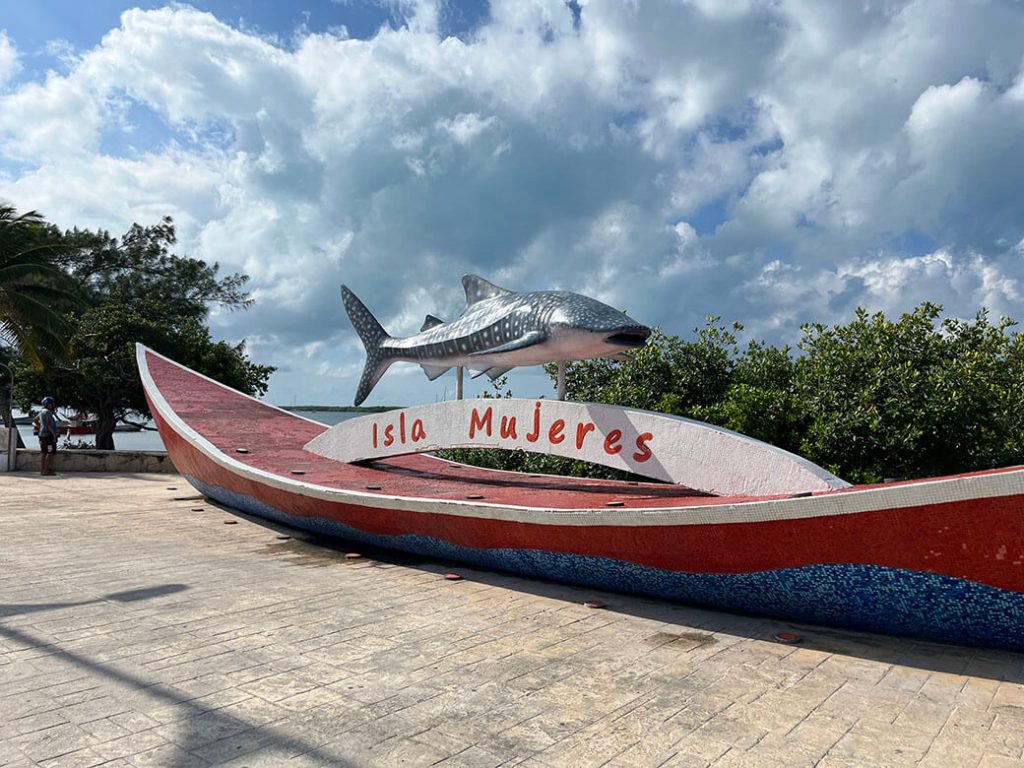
point(32, 295)
point(137, 290)
point(760, 399)
point(667, 374)
point(908, 398)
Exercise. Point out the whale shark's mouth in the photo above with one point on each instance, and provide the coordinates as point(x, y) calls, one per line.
point(630, 339)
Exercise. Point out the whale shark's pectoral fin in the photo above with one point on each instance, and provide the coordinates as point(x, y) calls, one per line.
point(492, 373)
point(431, 322)
point(526, 340)
point(495, 372)
point(478, 289)
point(434, 371)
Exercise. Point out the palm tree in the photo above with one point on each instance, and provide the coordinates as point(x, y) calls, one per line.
point(30, 291)
point(31, 295)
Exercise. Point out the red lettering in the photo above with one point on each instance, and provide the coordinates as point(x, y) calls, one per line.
point(532, 436)
point(582, 430)
point(375, 434)
point(418, 432)
point(508, 427)
point(478, 422)
point(389, 435)
point(555, 433)
point(643, 453)
point(611, 442)
point(401, 427)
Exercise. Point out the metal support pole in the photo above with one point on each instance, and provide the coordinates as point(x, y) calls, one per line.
point(458, 382)
point(561, 380)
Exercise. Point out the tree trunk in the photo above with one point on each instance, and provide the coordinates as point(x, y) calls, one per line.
point(105, 423)
point(6, 396)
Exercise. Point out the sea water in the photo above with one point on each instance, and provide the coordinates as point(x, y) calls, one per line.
point(149, 439)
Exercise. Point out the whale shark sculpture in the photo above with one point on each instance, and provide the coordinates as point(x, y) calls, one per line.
point(499, 330)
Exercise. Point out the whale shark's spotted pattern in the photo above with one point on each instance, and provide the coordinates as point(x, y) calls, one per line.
point(499, 330)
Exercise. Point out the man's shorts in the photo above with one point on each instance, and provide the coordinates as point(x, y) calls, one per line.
point(48, 443)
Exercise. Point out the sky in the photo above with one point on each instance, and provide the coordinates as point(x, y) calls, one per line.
point(772, 162)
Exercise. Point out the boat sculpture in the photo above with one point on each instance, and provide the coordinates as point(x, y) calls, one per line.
point(939, 558)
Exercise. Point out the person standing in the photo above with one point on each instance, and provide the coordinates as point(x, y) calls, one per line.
point(48, 432)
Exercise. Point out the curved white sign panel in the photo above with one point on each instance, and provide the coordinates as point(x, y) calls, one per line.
point(653, 445)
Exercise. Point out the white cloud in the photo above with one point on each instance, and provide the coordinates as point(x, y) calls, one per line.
point(768, 162)
point(466, 127)
point(9, 64)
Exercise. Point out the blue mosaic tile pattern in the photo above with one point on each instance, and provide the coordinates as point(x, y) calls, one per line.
point(867, 597)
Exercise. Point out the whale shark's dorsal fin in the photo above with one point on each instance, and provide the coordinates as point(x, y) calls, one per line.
point(478, 289)
point(430, 322)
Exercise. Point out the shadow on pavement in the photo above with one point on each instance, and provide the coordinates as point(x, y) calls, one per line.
point(213, 720)
point(17, 609)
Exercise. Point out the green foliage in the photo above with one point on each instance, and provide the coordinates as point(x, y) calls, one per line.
point(760, 399)
point(912, 397)
point(134, 289)
point(32, 291)
point(869, 400)
point(140, 267)
point(668, 374)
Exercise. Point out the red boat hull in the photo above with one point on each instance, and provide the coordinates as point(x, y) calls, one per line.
point(941, 558)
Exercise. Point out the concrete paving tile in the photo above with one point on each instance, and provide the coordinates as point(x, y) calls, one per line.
point(471, 757)
point(9, 752)
point(874, 702)
point(166, 755)
point(52, 742)
point(816, 734)
point(31, 723)
point(256, 711)
point(953, 750)
point(372, 663)
point(277, 687)
point(82, 758)
point(201, 729)
point(254, 672)
point(241, 744)
point(1000, 761)
point(130, 745)
point(397, 750)
point(904, 678)
point(93, 709)
point(885, 745)
point(267, 757)
point(1007, 730)
point(315, 697)
point(768, 756)
point(845, 761)
point(20, 761)
point(1009, 695)
point(104, 730)
point(688, 760)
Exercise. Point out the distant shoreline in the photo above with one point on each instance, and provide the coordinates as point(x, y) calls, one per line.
point(341, 408)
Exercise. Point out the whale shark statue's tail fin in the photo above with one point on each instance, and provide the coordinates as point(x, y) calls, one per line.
point(373, 337)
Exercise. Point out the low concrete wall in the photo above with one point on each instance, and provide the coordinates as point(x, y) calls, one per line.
point(78, 460)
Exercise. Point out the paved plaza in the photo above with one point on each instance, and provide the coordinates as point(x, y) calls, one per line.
point(141, 625)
